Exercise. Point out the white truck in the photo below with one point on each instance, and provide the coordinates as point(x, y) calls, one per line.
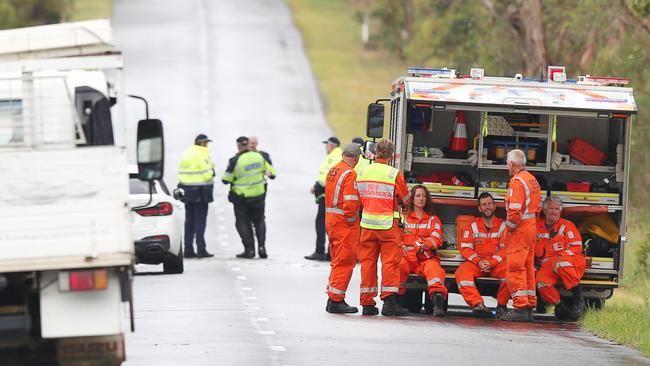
point(66, 251)
point(576, 134)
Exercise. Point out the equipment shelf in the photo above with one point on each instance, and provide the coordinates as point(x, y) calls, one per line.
point(442, 161)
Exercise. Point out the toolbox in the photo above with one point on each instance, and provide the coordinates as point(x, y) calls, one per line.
point(588, 197)
point(585, 153)
point(578, 186)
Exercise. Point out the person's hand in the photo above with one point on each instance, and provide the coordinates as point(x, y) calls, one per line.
point(485, 265)
point(269, 174)
point(406, 249)
point(311, 190)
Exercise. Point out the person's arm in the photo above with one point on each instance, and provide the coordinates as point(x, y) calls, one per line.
point(269, 170)
point(515, 204)
point(266, 157)
point(467, 249)
point(434, 240)
point(229, 175)
point(401, 190)
point(351, 202)
point(573, 239)
point(500, 255)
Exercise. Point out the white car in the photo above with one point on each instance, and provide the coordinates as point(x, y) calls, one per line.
point(158, 221)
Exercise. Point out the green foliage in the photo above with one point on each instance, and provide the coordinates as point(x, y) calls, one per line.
point(23, 13)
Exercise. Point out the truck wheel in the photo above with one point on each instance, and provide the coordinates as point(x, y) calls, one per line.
point(413, 298)
point(174, 265)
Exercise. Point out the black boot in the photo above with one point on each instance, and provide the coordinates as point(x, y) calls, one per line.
point(261, 251)
point(501, 310)
point(189, 253)
point(438, 304)
point(248, 254)
point(392, 308)
point(480, 311)
point(562, 311)
point(340, 307)
point(370, 310)
point(315, 256)
point(204, 254)
point(578, 303)
point(518, 315)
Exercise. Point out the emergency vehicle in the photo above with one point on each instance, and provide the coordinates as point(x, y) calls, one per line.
point(66, 248)
point(452, 134)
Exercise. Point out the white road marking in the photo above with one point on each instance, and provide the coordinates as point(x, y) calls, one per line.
point(262, 319)
point(278, 348)
point(242, 278)
point(267, 332)
point(251, 298)
point(236, 269)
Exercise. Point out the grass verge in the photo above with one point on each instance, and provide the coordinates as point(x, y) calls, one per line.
point(349, 75)
point(90, 9)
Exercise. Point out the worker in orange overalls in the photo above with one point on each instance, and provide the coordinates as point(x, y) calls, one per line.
point(522, 206)
point(559, 245)
point(421, 238)
point(382, 190)
point(342, 226)
point(483, 247)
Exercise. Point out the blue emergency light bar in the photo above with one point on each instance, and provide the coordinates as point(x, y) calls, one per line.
point(426, 71)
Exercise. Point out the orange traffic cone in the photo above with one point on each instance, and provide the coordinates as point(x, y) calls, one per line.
point(459, 138)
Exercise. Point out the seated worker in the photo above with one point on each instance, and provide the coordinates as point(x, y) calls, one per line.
point(421, 237)
point(559, 245)
point(483, 246)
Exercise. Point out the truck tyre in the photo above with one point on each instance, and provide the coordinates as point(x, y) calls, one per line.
point(413, 299)
point(594, 303)
point(174, 265)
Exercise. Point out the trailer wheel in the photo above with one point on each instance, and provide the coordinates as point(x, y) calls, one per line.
point(174, 264)
point(413, 299)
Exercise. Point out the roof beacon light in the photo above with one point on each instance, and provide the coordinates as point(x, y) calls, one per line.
point(432, 73)
point(476, 73)
point(552, 70)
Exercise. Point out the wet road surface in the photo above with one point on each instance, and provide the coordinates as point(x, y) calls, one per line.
point(231, 68)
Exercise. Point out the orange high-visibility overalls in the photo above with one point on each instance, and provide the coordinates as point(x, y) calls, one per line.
point(560, 249)
point(422, 259)
point(342, 226)
point(482, 243)
point(522, 206)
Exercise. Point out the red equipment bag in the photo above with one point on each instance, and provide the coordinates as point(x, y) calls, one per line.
point(585, 153)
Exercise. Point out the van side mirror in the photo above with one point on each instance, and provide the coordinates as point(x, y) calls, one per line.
point(375, 122)
point(370, 150)
point(150, 149)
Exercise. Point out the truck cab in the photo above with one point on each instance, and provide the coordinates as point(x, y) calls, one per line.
point(452, 134)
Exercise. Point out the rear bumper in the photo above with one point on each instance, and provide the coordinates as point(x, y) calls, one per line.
point(152, 250)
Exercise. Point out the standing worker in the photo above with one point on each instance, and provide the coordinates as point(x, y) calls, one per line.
point(246, 173)
point(196, 178)
point(559, 245)
point(363, 161)
point(484, 251)
point(342, 223)
point(333, 157)
point(522, 206)
point(382, 190)
point(252, 146)
point(422, 237)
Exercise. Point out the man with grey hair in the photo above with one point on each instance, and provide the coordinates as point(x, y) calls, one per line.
point(559, 246)
point(342, 227)
point(522, 206)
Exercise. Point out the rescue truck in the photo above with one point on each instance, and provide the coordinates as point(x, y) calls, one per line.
point(452, 133)
point(66, 250)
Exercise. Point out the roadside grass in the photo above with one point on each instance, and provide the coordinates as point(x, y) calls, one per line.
point(90, 9)
point(349, 75)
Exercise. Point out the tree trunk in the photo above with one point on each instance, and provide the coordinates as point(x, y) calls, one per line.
point(591, 51)
point(527, 20)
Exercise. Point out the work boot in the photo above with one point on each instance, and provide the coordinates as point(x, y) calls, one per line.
point(261, 251)
point(401, 300)
point(248, 254)
point(480, 311)
point(315, 256)
point(518, 315)
point(392, 308)
point(578, 303)
point(562, 311)
point(438, 304)
point(340, 307)
point(327, 257)
point(204, 254)
point(501, 310)
point(370, 310)
point(189, 254)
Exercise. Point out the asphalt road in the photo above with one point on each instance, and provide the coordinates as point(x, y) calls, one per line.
point(230, 68)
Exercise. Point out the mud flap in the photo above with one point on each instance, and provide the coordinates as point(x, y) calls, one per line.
point(91, 351)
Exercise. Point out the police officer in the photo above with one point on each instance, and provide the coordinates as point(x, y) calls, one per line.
point(196, 178)
point(245, 174)
point(363, 161)
point(334, 154)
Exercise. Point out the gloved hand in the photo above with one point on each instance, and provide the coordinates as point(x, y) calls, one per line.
point(556, 160)
point(472, 157)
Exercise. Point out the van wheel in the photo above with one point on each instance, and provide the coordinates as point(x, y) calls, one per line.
point(174, 265)
point(413, 298)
